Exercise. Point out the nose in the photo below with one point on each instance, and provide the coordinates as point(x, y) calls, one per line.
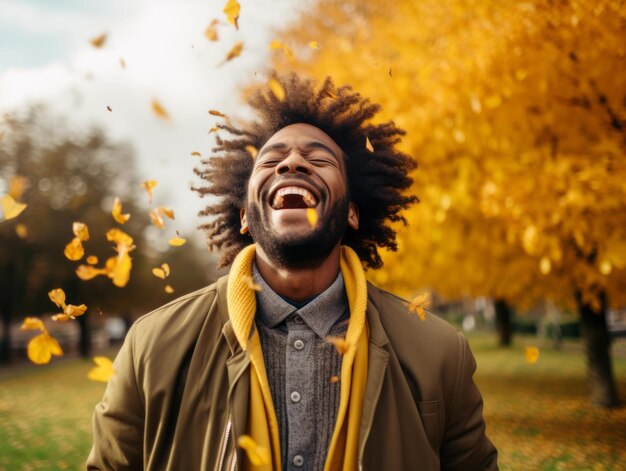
point(294, 163)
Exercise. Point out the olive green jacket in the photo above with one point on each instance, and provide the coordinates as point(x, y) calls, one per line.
point(179, 397)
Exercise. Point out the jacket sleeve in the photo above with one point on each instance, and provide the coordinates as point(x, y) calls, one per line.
point(118, 420)
point(465, 445)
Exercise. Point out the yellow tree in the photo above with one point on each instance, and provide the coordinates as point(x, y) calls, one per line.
point(516, 114)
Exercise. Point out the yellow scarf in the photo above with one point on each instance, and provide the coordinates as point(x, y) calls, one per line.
point(262, 423)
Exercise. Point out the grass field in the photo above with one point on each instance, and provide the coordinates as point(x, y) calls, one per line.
point(537, 415)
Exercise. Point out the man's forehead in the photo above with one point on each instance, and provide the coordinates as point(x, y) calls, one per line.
point(302, 134)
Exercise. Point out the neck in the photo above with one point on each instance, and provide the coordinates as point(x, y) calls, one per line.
point(301, 283)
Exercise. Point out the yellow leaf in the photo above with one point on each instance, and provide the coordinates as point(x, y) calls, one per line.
point(156, 219)
point(166, 211)
point(74, 250)
point(103, 371)
point(86, 273)
point(17, 185)
point(213, 129)
point(117, 212)
point(250, 283)
point(314, 45)
point(334, 379)
point(231, 10)
point(162, 272)
point(169, 289)
point(250, 149)
point(177, 241)
point(234, 52)
point(606, 267)
point(531, 354)
point(341, 344)
point(120, 271)
point(81, 231)
point(75, 311)
point(217, 113)
point(196, 154)
point(21, 230)
point(119, 237)
point(418, 304)
point(98, 41)
point(42, 347)
point(149, 186)
point(11, 208)
point(211, 31)
point(158, 110)
point(368, 144)
point(276, 44)
point(311, 216)
point(57, 296)
point(277, 89)
point(33, 323)
point(92, 260)
point(257, 455)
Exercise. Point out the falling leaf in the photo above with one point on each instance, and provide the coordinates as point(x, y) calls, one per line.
point(249, 281)
point(250, 149)
point(33, 323)
point(231, 10)
point(119, 270)
point(122, 63)
point(177, 241)
point(418, 305)
point(311, 216)
point(86, 272)
point(368, 144)
point(21, 230)
point(92, 260)
point(162, 272)
point(234, 52)
point(11, 208)
point(98, 41)
point(257, 455)
point(109, 108)
point(196, 154)
point(531, 354)
point(42, 347)
point(314, 45)
point(168, 289)
point(119, 237)
point(217, 113)
point(117, 212)
point(70, 312)
point(276, 44)
point(74, 250)
point(213, 129)
point(277, 89)
point(158, 110)
point(156, 219)
point(80, 230)
point(149, 185)
point(334, 379)
point(341, 344)
point(17, 185)
point(166, 211)
point(57, 296)
point(211, 31)
point(103, 371)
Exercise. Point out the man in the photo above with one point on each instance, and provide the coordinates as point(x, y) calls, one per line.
point(293, 361)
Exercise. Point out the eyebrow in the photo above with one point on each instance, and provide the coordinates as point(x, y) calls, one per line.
point(308, 145)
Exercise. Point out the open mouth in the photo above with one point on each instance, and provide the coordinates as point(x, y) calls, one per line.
point(293, 197)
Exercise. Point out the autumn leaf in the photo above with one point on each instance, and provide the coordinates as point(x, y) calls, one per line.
point(86, 272)
point(117, 212)
point(33, 323)
point(211, 31)
point(92, 260)
point(277, 89)
point(119, 237)
point(177, 241)
point(276, 44)
point(212, 130)
point(234, 52)
point(121, 267)
point(217, 113)
point(341, 344)
point(250, 149)
point(231, 10)
point(162, 272)
point(57, 296)
point(531, 354)
point(149, 185)
point(70, 312)
point(11, 208)
point(168, 289)
point(334, 379)
point(249, 281)
point(109, 109)
point(156, 219)
point(41, 348)
point(98, 41)
point(368, 144)
point(311, 216)
point(257, 455)
point(196, 154)
point(103, 371)
point(17, 185)
point(80, 230)
point(166, 211)
point(418, 304)
point(158, 110)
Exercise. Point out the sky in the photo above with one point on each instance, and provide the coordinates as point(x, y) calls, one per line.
point(46, 57)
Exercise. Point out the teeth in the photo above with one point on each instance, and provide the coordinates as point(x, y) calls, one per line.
point(307, 196)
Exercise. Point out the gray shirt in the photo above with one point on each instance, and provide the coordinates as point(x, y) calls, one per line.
point(302, 369)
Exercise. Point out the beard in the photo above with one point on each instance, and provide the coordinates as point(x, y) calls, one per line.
point(298, 251)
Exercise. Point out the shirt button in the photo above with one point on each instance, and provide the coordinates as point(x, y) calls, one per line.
point(298, 319)
point(298, 460)
point(295, 396)
point(298, 344)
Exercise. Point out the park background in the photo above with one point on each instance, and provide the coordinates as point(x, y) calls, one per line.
point(515, 112)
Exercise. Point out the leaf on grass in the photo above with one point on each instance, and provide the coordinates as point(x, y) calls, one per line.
point(149, 185)
point(158, 110)
point(368, 144)
point(168, 289)
point(33, 323)
point(117, 212)
point(42, 347)
point(57, 296)
point(103, 371)
point(166, 211)
point(11, 208)
point(257, 455)
point(177, 241)
point(277, 89)
point(276, 44)
point(531, 354)
point(231, 10)
point(249, 281)
point(250, 149)
point(211, 31)
point(418, 305)
point(92, 260)
point(234, 52)
point(162, 272)
point(156, 219)
point(311, 216)
point(341, 344)
point(98, 41)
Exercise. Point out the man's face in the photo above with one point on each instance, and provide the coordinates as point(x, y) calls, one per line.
point(300, 167)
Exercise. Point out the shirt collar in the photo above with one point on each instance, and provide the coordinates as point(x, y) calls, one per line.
point(320, 314)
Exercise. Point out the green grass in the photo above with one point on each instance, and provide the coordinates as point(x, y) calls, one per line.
point(537, 415)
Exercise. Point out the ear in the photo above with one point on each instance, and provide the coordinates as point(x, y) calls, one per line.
point(353, 216)
point(244, 221)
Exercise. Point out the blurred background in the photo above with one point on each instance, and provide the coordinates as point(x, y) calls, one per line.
point(515, 111)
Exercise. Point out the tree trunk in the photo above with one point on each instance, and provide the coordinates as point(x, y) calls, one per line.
point(603, 391)
point(504, 324)
point(84, 342)
point(6, 310)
